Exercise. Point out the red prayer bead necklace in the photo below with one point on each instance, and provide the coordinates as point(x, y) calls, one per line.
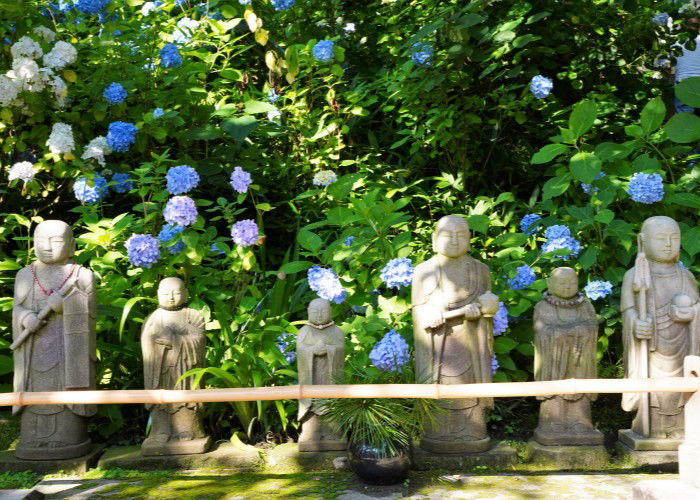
point(44, 290)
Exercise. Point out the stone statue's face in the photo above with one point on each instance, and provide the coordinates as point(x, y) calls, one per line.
point(171, 292)
point(662, 240)
point(319, 313)
point(53, 242)
point(451, 239)
point(563, 283)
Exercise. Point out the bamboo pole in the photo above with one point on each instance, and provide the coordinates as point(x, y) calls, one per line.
point(424, 391)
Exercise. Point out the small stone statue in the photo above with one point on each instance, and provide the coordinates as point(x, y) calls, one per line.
point(173, 341)
point(320, 359)
point(661, 325)
point(53, 333)
point(453, 310)
point(566, 332)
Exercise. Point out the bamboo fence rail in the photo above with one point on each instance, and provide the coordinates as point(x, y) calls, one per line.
point(429, 391)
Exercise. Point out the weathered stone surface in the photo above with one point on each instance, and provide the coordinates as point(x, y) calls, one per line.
point(288, 458)
point(235, 456)
point(666, 461)
point(78, 465)
point(664, 489)
point(499, 456)
point(568, 457)
point(636, 442)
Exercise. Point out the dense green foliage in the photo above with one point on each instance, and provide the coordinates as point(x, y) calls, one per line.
point(408, 142)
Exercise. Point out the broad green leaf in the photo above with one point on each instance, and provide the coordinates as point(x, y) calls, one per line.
point(296, 266)
point(239, 127)
point(685, 199)
point(503, 345)
point(585, 166)
point(205, 133)
point(588, 258)
point(605, 216)
point(644, 163)
point(511, 239)
point(634, 131)
point(607, 151)
point(548, 153)
point(653, 115)
point(555, 187)
point(691, 241)
point(310, 241)
point(341, 188)
point(6, 364)
point(688, 91)
point(683, 128)
point(255, 107)
point(479, 223)
point(393, 305)
point(231, 74)
point(582, 117)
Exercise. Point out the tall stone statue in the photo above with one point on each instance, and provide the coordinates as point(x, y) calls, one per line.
point(453, 310)
point(320, 359)
point(566, 332)
point(173, 341)
point(53, 334)
point(661, 325)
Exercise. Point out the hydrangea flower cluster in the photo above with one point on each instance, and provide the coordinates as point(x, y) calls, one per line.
point(326, 284)
point(61, 139)
point(323, 50)
point(121, 183)
point(121, 135)
point(528, 224)
point(282, 4)
point(147, 8)
point(397, 272)
point(274, 115)
point(500, 319)
point(170, 56)
point(324, 178)
point(26, 47)
point(22, 170)
point(348, 241)
point(349, 28)
point(588, 188)
point(45, 33)
point(390, 353)
point(660, 19)
point(158, 112)
point(61, 55)
point(180, 210)
point(240, 180)
point(91, 7)
point(285, 343)
point(524, 277)
point(185, 28)
point(559, 238)
point(422, 54)
point(142, 250)
point(114, 93)
point(97, 149)
point(245, 232)
point(272, 95)
point(541, 86)
point(598, 289)
point(494, 365)
point(646, 188)
point(90, 194)
point(167, 234)
point(181, 179)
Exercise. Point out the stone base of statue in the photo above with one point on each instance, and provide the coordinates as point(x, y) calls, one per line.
point(577, 434)
point(160, 445)
point(288, 458)
point(455, 447)
point(318, 436)
point(636, 442)
point(663, 489)
point(637, 451)
point(9, 462)
point(582, 457)
point(499, 455)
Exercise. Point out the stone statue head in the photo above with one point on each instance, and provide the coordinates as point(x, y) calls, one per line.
point(53, 242)
point(319, 311)
point(171, 292)
point(563, 283)
point(660, 239)
point(451, 236)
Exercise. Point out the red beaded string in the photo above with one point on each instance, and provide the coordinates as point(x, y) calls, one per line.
point(44, 290)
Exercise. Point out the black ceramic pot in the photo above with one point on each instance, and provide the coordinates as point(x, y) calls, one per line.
point(375, 466)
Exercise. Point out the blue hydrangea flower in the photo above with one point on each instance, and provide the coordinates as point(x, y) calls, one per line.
point(282, 4)
point(646, 188)
point(598, 289)
point(142, 250)
point(541, 86)
point(272, 95)
point(564, 243)
point(323, 50)
point(214, 248)
point(274, 115)
point(158, 112)
point(121, 135)
point(682, 266)
point(524, 277)
point(422, 54)
point(285, 343)
point(391, 353)
point(185, 28)
point(397, 272)
point(500, 319)
point(240, 180)
point(91, 7)
point(324, 178)
point(528, 224)
point(121, 183)
point(588, 188)
point(660, 19)
point(167, 234)
point(181, 179)
point(170, 56)
point(494, 365)
point(86, 193)
point(245, 232)
point(180, 210)
point(348, 241)
point(114, 93)
point(326, 284)
point(557, 231)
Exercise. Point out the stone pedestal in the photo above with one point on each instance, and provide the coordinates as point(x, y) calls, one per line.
point(639, 451)
point(152, 447)
point(79, 465)
point(499, 456)
point(591, 457)
point(289, 457)
point(639, 443)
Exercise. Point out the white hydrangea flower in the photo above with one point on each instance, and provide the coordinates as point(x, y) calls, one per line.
point(26, 47)
point(9, 90)
point(45, 33)
point(60, 90)
point(23, 170)
point(24, 70)
point(97, 149)
point(61, 55)
point(147, 8)
point(61, 139)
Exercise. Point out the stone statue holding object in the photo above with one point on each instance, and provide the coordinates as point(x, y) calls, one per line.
point(173, 342)
point(661, 325)
point(53, 334)
point(320, 359)
point(453, 310)
point(566, 332)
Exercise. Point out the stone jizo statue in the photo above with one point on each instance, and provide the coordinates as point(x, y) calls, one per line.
point(173, 342)
point(566, 332)
point(453, 310)
point(53, 334)
point(320, 359)
point(661, 325)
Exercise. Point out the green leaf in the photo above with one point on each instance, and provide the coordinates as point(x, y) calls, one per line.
point(231, 74)
point(582, 117)
point(688, 91)
point(239, 127)
point(618, 229)
point(605, 216)
point(526, 349)
point(310, 241)
point(685, 199)
point(205, 133)
point(555, 187)
point(607, 151)
point(653, 115)
point(296, 266)
point(255, 107)
point(683, 128)
point(691, 241)
point(503, 345)
point(291, 54)
point(588, 258)
point(548, 153)
point(479, 223)
point(6, 364)
point(634, 131)
point(341, 188)
point(511, 239)
point(125, 312)
point(585, 166)
point(393, 305)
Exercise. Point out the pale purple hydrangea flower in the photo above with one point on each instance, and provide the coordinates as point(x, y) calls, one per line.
point(245, 232)
point(397, 272)
point(422, 54)
point(500, 319)
point(646, 188)
point(390, 353)
point(326, 284)
point(325, 178)
point(240, 180)
point(541, 86)
point(181, 179)
point(494, 365)
point(142, 249)
point(180, 210)
point(285, 343)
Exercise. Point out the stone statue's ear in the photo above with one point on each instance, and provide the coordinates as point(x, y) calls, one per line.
point(434, 239)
